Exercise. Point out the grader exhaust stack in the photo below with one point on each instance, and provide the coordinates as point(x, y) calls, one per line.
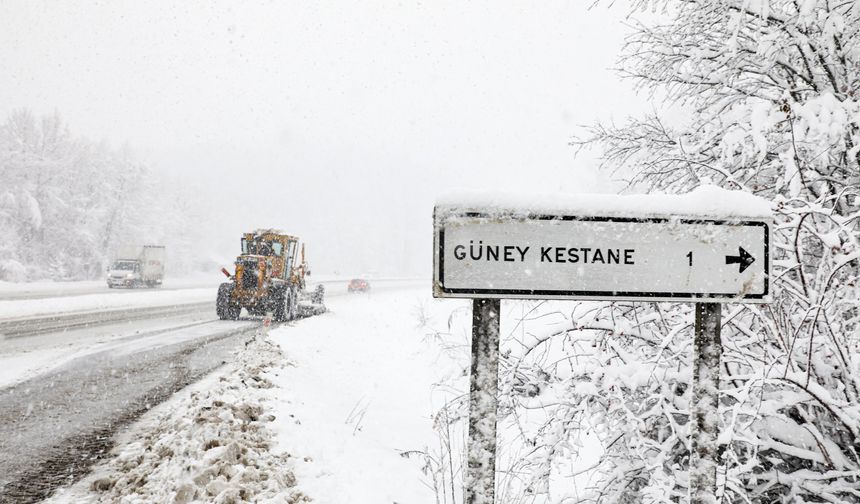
point(269, 276)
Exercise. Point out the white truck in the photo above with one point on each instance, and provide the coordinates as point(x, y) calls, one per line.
point(137, 266)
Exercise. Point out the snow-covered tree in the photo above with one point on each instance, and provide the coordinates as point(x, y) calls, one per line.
point(66, 203)
point(770, 90)
point(758, 96)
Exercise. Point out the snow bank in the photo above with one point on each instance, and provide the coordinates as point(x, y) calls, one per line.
point(52, 286)
point(704, 201)
point(209, 446)
point(108, 300)
point(56, 288)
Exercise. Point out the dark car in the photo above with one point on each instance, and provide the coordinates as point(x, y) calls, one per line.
point(358, 285)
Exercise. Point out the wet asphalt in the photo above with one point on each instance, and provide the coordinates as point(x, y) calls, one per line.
point(54, 427)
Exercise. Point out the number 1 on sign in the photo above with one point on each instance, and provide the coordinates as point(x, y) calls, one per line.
point(690, 257)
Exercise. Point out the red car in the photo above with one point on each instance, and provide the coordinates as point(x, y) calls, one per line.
point(358, 285)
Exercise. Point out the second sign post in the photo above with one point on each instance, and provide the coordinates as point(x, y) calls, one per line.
point(641, 248)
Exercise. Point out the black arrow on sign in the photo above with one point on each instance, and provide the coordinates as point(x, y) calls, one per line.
point(744, 259)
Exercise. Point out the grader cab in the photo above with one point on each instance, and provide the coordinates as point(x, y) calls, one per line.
point(269, 276)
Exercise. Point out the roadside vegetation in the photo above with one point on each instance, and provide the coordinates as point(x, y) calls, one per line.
point(68, 202)
point(751, 96)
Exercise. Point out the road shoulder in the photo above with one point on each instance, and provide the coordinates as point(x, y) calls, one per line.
point(210, 443)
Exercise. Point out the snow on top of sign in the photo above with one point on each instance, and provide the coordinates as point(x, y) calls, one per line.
point(704, 201)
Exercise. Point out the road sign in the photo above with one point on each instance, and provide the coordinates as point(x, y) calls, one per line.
point(498, 255)
point(642, 248)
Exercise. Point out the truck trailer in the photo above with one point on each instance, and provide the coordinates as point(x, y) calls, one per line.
point(137, 266)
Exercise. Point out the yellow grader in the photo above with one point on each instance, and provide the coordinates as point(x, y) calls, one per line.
point(269, 276)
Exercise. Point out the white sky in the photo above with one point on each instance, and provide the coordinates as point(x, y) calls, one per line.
point(336, 121)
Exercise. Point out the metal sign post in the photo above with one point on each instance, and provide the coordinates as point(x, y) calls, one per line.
point(492, 254)
point(704, 424)
point(483, 401)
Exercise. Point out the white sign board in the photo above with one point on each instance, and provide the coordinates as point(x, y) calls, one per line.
point(479, 255)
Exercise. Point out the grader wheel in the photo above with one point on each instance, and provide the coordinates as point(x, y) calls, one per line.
point(224, 306)
point(285, 304)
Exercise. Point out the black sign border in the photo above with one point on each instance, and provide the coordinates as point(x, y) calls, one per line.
point(440, 284)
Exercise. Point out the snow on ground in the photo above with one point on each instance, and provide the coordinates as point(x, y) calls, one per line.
point(47, 288)
point(360, 395)
point(103, 301)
